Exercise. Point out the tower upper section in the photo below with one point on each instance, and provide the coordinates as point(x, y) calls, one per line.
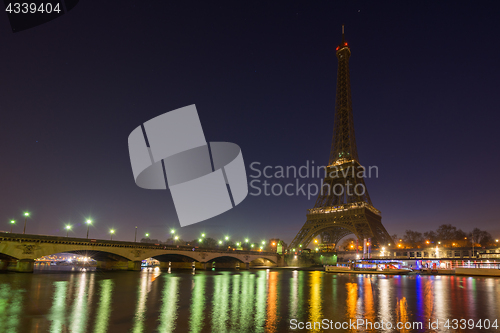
point(344, 142)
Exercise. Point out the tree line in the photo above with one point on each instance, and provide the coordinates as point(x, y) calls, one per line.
point(445, 235)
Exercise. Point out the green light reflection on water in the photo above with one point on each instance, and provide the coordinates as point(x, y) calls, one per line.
point(247, 301)
point(235, 300)
point(104, 309)
point(260, 301)
point(10, 310)
point(141, 303)
point(197, 303)
point(58, 310)
point(168, 314)
point(220, 301)
point(79, 314)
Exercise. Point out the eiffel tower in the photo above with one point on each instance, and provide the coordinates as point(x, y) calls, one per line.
point(343, 205)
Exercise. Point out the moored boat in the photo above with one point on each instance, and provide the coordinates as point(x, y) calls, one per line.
point(368, 267)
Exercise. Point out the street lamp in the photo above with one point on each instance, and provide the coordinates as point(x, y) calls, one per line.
point(227, 237)
point(176, 237)
point(203, 235)
point(263, 242)
point(12, 222)
point(147, 235)
point(246, 240)
point(68, 228)
point(26, 215)
point(89, 222)
point(112, 231)
point(200, 240)
point(220, 242)
point(135, 236)
point(172, 231)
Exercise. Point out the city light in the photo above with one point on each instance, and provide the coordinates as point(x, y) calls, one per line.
point(227, 237)
point(172, 231)
point(112, 231)
point(26, 215)
point(220, 242)
point(300, 245)
point(89, 222)
point(68, 228)
point(176, 237)
point(202, 235)
point(147, 235)
point(246, 240)
point(12, 222)
point(263, 242)
point(199, 240)
point(237, 244)
point(316, 241)
point(251, 245)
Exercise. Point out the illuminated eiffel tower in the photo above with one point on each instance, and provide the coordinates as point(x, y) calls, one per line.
point(343, 206)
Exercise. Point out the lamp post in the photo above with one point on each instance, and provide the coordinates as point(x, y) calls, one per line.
point(135, 237)
point(12, 222)
point(68, 228)
point(26, 214)
point(147, 235)
point(89, 222)
point(112, 231)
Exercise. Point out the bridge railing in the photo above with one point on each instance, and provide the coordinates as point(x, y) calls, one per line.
point(5, 236)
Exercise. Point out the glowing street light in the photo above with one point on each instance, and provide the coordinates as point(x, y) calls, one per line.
point(176, 237)
point(68, 228)
point(227, 237)
point(147, 235)
point(172, 231)
point(263, 242)
point(246, 240)
point(316, 241)
point(251, 245)
point(112, 231)
point(89, 222)
point(238, 244)
point(26, 215)
point(203, 235)
point(300, 245)
point(200, 240)
point(12, 222)
point(220, 242)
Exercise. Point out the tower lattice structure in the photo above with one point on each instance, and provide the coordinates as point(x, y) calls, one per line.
point(337, 213)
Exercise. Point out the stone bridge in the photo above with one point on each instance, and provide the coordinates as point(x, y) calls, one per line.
point(19, 251)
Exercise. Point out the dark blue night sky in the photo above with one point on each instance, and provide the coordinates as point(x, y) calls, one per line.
point(425, 88)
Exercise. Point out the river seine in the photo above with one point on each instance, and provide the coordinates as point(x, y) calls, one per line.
point(245, 301)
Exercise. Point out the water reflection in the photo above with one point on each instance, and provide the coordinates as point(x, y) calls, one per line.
point(197, 304)
point(234, 301)
point(104, 309)
point(58, 310)
point(78, 319)
point(10, 307)
point(168, 315)
point(315, 313)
